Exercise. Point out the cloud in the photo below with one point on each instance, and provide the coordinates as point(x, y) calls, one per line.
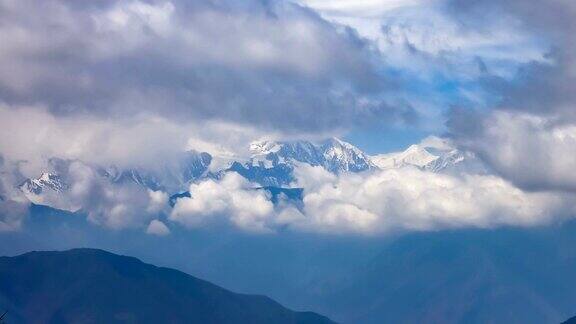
point(409, 199)
point(13, 205)
point(528, 136)
point(115, 206)
point(440, 58)
point(272, 64)
point(542, 87)
point(134, 83)
point(79, 188)
point(157, 227)
point(34, 135)
point(364, 9)
point(158, 201)
point(373, 203)
point(232, 199)
point(534, 152)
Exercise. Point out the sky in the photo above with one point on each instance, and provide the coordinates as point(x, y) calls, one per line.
point(134, 83)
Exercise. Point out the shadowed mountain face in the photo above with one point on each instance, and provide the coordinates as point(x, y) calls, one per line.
point(93, 286)
point(498, 276)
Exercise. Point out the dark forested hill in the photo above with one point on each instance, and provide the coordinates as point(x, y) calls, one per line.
point(94, 286)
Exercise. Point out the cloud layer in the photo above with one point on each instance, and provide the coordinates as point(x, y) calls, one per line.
point(187, 62)
point(373, 203)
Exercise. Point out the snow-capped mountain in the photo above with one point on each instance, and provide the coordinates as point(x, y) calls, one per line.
point(172, 177)
point(52, 187)
point(415, 155)
point(46, 181)
point(434, 155)
point(49, 190)
point(334, 155)
point(271, 165)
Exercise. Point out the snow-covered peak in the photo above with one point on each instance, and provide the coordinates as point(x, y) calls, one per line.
point(49, 190)
point(432, 154)
point(337, 145)
point(264, 147)
point(334, 155)
point(345, 157)
point(45, 181)
point(415, 155)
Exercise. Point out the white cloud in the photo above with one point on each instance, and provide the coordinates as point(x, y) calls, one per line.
point(116, 206)
point(33, 134)
point(536, 153)
point(113, 205)
point(374, 203)
point(421, 37)
point(158, 201)
point(272, 62)
point(410, 199)
point(257, 41)
point(530, 136)
point(231, 199)
point(361, 8)
point(157, 227)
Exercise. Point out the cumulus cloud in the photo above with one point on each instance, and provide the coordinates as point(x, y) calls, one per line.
point(116, 206)
point(374, 203)
point(543, 87)
point(427, 29)
point(34, 135)
point(440, 58)
point(158, 201)
point(412, 199)
point(231, 199)
point(529, 137)
point(272, 64)
point(364, 9)
point(81, 188)
point(534, 152)
point(157, 227)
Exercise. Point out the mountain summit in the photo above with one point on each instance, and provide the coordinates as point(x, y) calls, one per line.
point(334, 155)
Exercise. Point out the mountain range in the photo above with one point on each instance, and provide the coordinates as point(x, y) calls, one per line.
point(94, 286)
point(271, 164)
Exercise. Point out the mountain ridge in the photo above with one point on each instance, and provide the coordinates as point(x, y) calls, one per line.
point(271, 164)
point(95, 286)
